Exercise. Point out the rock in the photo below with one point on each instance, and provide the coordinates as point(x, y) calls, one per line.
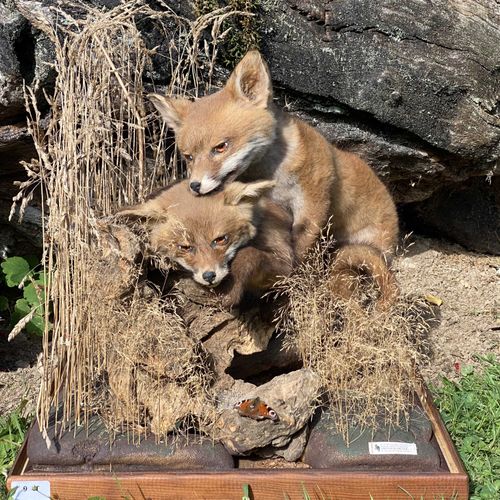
point(467, 212)
point(26, 53)
point(11, 243)
point(292, 396)
point(414, 91)
point(327, 448)
point(92, 452)
point(15, 145)
point(29, 227)
point(12, 29)
point(292, 451)
point(418, 100)
point(438, 84)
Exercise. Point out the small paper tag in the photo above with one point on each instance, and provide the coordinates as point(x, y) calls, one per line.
point(392, 448)
point(30, 490)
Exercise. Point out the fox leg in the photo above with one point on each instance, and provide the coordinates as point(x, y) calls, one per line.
point(351, 262)
point(305, 235)
point(253, 269)
point(308, 224)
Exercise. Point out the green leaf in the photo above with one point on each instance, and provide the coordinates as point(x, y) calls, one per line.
point(21, 309)
point(34, 294)
point(4, 303)
point(36, 325)
point(15, 270)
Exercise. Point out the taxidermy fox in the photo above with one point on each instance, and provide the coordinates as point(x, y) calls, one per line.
point(236, 237)
point(237, 132)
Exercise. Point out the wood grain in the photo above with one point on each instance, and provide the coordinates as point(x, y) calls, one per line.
point(264, 485)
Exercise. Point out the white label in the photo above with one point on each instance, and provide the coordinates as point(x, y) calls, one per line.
point(30, 490)
point(392, 448)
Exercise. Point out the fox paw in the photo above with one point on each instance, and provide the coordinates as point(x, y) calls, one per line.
point(230, 294)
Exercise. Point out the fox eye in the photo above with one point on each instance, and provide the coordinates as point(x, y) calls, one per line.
point(220, 148)
point(220, 241)
point(188, 157)
point(185, 248)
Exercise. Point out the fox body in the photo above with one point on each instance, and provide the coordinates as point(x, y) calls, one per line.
point(236, 237)
point(237, 132)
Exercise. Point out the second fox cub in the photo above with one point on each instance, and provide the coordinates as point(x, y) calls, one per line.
point(237, 132)
point(236, 238)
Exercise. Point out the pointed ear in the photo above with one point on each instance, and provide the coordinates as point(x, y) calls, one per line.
point(239, 192)
point(172, 109)
point(251, 80)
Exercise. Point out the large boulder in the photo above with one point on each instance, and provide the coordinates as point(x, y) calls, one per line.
point(412, 88)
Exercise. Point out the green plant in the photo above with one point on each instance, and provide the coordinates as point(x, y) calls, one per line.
point(13, 428)
point(243, 34)
point(19, 273)
point(471, 411)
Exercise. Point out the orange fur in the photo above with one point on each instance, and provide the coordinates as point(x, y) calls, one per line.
point(238, 133)
point(241, 237)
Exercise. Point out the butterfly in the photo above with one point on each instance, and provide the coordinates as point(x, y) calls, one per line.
point(256, 409)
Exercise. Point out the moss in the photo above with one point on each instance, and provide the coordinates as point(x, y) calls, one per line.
point(244, 34)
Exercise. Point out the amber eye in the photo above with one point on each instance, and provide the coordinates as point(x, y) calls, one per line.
point(220, 241)
point(188, 157)
point(185, 248)
point(220, 148)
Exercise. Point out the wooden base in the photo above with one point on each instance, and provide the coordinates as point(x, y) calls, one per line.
point(263, 484)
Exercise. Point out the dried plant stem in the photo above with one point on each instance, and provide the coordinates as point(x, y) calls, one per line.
point(99, 150)
point(367, 360)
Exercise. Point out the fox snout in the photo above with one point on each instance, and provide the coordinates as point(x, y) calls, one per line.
point(195, 187)
point(210, 278)
point(201, 184)
point(207, 176)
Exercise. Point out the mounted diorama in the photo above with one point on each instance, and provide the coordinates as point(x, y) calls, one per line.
point(218, 276)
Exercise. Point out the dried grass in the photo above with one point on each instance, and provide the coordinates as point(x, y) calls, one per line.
point(100, 150)
point(123, 353)
point(366, 359)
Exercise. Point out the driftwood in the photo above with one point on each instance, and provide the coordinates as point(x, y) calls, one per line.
point(180, 368)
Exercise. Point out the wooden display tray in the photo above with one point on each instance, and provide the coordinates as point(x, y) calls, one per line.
point(263, 484)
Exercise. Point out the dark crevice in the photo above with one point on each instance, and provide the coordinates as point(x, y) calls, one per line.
point(24, 48)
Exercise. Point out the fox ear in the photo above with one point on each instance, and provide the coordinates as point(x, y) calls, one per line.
point(172, 109)
point(239, 192)
point(251, 80)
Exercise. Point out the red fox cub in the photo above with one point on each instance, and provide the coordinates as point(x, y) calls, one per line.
point(237, 235)
point(237, 132)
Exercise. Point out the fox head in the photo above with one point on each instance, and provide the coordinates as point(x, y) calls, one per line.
point(201, 234)
point(220, 135)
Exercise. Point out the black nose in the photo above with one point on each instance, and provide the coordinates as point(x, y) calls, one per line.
point(208, 276)
point(195, 186)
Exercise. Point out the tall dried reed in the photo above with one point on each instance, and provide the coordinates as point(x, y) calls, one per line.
point(99, 150)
